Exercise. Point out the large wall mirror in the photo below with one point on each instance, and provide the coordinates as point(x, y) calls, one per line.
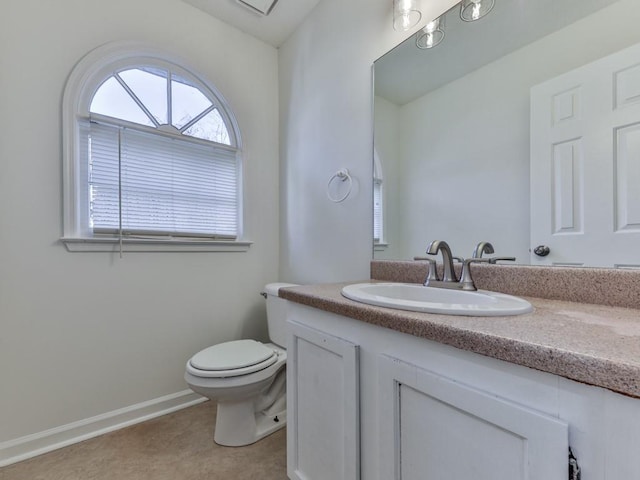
point(521, 129)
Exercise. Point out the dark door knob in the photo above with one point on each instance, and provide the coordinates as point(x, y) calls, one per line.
point(542, 250)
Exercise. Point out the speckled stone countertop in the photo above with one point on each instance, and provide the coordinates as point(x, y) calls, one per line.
point(593, 344)
point(602, 286)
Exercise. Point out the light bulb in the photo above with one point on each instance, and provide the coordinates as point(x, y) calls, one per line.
point(406, 22)
point(476, 11)
point(472, 10)
point(406, 14)
point(431, 34)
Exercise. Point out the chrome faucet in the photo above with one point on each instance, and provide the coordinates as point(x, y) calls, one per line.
point(486, 247)
point(482, 247)
point(449, 278)
point(449, 274)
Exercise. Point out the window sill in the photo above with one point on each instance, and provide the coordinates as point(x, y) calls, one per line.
point(153, 245)
point(380, 247)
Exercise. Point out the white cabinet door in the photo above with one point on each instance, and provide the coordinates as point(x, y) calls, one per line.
point(323, 428)
point(585, 164)
point(433, 428)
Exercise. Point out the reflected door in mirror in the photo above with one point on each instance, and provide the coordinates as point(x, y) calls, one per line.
point(585, 164)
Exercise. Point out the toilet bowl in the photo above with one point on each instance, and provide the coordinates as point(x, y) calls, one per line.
point(247, 378)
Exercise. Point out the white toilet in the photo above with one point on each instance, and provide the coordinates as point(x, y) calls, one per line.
point(247, 378)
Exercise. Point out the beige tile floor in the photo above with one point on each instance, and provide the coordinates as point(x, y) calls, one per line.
point(173, 447)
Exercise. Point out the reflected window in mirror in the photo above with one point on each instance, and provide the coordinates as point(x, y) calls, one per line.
point(378, 203)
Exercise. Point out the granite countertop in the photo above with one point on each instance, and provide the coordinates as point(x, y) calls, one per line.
point(593, 344)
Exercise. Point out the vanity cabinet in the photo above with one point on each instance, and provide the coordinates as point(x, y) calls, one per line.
point(366, 402)
point(433, 427)
point(322, 406)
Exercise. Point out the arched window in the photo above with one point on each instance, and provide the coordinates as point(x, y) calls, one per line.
point(151, 153)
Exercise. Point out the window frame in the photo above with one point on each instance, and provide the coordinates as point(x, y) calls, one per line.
point(86, 77)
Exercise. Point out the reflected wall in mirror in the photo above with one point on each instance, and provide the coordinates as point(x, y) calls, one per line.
point(455, 143)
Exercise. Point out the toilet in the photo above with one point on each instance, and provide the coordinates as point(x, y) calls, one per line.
point(247, 379)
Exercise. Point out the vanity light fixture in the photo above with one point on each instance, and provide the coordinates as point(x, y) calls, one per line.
point(431, 35)
point(406, 14)
point(472, 10)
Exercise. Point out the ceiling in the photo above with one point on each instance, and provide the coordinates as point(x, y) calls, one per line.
point(273, 29)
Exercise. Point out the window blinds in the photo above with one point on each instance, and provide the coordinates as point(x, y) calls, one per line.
point(377, 210)
point(160, 184)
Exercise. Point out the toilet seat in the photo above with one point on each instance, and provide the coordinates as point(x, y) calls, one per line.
point(232, 359)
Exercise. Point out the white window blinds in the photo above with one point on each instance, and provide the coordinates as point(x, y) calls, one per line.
point(377, 211)
point(149, 183)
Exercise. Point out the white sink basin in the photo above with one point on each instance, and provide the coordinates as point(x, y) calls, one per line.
point(418, 298)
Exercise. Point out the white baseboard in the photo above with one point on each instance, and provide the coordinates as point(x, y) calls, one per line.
point(29, 446)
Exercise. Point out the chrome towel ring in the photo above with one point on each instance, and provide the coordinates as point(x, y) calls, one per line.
point(343, 176)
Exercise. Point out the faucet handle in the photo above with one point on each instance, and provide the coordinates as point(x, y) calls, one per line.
point(432, 274)
point(495, 260)
point(466, 280)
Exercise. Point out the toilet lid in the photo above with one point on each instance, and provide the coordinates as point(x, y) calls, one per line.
point(237, 354)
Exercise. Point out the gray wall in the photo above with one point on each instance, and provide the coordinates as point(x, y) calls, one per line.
point(82, 334)
point(326, 123)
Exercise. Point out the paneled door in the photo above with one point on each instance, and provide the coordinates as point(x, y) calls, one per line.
point(585, 164)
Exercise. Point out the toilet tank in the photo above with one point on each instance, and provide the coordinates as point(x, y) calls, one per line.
point(276, 313)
